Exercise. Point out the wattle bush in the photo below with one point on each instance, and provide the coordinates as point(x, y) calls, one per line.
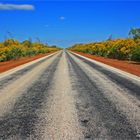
point(123, 49)
point(13, 49)
point(136, 54)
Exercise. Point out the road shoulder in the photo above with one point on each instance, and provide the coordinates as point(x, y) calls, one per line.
point(117, 69)
point(127, 66)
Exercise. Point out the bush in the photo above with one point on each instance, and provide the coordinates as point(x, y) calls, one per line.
point(11, 49)
point(124, 49)
point(135, 56)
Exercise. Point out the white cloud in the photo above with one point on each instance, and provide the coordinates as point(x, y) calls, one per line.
point(62, 18)
point(16, 7)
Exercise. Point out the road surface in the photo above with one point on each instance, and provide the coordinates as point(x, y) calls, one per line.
point(67, 97)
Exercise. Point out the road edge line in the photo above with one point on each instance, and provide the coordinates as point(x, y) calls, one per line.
point(108, 67)
point(13, 70)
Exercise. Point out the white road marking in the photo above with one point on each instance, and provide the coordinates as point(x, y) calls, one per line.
point(110, 68)
point(11, 71)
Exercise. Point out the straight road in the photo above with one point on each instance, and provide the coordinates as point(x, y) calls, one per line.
point(67, 97)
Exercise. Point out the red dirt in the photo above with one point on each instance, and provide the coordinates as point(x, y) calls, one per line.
point(128, 66)
point(4, 66)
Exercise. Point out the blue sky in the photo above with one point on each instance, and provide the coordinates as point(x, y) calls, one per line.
point(65, 23)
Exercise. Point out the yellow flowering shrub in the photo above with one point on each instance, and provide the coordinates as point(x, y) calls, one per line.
point(118, 48)
point(12, 49)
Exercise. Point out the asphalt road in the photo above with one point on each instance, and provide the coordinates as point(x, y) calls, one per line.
point(67, 97)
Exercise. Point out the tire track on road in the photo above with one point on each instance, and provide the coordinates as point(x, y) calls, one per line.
point(61, 117)
point(98, 115)
point(125, 83)
point(68, 100)
point(20, 122)
point(9, 79)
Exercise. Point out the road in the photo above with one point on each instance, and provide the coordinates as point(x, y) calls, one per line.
point(67, 97)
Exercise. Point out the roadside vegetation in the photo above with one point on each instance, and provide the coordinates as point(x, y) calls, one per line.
point(123, 49)
point(13, 49)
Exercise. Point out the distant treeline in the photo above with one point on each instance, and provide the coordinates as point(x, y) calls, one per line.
point(13, 49)
point(124, 49)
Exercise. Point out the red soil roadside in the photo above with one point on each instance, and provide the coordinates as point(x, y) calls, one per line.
point(4, 66)
point(128, 66)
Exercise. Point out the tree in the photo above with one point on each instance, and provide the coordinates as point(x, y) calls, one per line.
point(135, 33)
point(27, 43)
point(110, 37)
point(10, 42)
point(53, 46)
point(38, 40)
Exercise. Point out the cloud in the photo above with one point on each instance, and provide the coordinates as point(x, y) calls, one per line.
point(16, 7)
point(62, 18)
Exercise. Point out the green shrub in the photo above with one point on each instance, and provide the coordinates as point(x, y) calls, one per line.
point(135, 56)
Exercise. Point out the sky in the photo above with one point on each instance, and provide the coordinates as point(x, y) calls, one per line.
point(64, 23)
